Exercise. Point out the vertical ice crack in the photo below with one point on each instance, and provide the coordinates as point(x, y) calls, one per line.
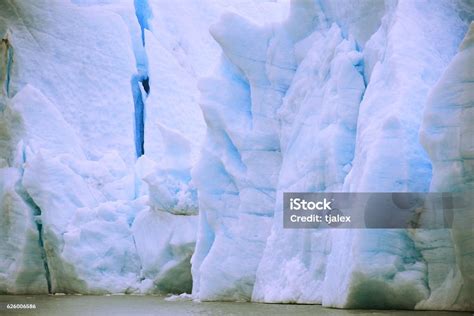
point(139, 104)
point(36, 212)
point(143, 13)
point(7, 61)
point(39, 226)
point(141, 82)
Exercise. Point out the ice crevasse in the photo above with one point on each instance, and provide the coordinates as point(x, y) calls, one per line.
point(145, 147)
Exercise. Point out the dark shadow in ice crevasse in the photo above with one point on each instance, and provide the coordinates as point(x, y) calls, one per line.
point(6, 51)
point(139, 104)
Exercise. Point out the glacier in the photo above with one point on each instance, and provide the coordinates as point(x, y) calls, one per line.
point(346, 94)
point(145, 147)
point(71, 178)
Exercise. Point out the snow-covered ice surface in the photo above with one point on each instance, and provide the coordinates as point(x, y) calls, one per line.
point(145, 146)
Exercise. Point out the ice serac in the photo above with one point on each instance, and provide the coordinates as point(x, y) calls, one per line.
point(170, 186)
point(360, 269)
point(165, 243)
point(180, 50)
point(319, 119)
point(385, 268)
point(447, 133)
point(238, 171)
point(57, 180)
point(346, 92)
point(82, 203)
point(165, 233)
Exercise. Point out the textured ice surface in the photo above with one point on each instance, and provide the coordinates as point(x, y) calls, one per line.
point(229, 104)
point(77, 62)
point(180, 50)
point(21, 264)
point(165, 243)
point(171, 188)
point(70, 190)
point(348, 91)
point(447, 134)
point(238, 170)
point(319, 117)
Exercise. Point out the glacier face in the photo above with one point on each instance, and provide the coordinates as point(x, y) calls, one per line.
point(80, 213)
point(71, 185)
point(145, 147)
point(346, 94)
point(447, 134)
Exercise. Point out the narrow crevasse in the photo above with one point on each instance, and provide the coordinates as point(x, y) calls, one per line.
point(21, 231)
point(36, 212)
point(6, 51)
point(141, 82)
point(143, 13)
point(23, 265)
point(39, 227)
point(139, 106)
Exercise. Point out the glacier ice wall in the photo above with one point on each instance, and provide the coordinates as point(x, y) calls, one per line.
point(80, 60)
point(21, 268)
point(71, 187)
point(145, 146)
point(350, 93)
point(99, 129)
point(242, 150)
point(447, 135)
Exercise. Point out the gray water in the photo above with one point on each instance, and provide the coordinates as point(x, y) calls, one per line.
point(156, 305)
